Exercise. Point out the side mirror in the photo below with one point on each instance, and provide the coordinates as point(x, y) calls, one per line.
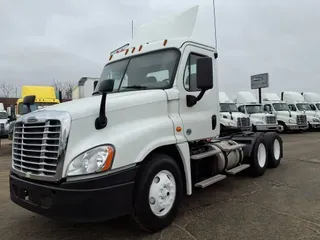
point(268, 109)
point(204, 79)
point(104, 87)
point(29, 100)
point(204, 73)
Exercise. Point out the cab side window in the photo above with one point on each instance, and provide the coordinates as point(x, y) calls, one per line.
point(190, 73)
point(268, 108)
point(241, 109)
point(292, 107)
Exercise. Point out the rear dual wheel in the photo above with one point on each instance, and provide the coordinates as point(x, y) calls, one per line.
point(266, 152)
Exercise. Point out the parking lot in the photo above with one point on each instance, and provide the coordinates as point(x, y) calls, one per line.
point(283, 204)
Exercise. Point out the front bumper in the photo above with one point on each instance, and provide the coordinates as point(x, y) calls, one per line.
point(90, 200)
point(314, 125)
point(267, 127)
point(295, 127)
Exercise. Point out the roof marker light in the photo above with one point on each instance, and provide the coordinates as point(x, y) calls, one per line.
point(133, 49)
point(127, 51)
point(110, 57)
point(140, 48)
point(165, 42)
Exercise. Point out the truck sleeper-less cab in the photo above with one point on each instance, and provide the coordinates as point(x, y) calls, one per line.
point(313, 99)
point(297, 104)
point(230, 118)
point(260, 119)
point(287, 120)
point(142, 142)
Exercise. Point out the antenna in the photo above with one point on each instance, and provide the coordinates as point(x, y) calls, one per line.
point(132, 29)
point(215, 25)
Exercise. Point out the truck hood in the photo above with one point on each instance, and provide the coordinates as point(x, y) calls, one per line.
point(85, 107)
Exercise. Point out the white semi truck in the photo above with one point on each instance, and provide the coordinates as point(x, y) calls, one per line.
point(287, 120)
point(313, 99)
point(260, 119)
point(85, 87)
point(137, 148)
point(231, 120)
point(297, 104)
point(3, 121)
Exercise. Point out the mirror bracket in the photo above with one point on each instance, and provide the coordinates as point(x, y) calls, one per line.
point(192, 100)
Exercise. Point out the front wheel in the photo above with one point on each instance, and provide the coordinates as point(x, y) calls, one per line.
point(281, 127)
point(159, 192)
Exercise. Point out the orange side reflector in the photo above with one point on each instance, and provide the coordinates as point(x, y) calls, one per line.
point(165, 42)
point(178, 129)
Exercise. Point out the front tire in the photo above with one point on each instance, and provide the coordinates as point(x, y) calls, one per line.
point(282, 128)
point(158, 193)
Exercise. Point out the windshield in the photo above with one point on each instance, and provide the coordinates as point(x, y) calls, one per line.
point(3, 115)
point(318, 106)
point(155, 70)
point(281, 106)
point(228, 107)
point(304, 107)
point(254, 109)
point(23, 109)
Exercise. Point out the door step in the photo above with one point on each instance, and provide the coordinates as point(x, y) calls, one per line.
point(238, 169)
point(209, 181)
point(209, 153)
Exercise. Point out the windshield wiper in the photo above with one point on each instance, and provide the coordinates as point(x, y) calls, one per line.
point(136, 87)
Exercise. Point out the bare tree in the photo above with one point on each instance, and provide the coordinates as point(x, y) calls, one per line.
point(8, 90)
point(65, 88)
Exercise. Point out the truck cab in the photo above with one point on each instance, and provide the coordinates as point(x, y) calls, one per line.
point(85, 87)
point(297, 103)
point(260, 119)
point(287, 120)
point(313, 99)
point(144, 139)
point(230, 117)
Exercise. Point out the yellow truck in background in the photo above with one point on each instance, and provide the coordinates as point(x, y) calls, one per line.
point(45, 96)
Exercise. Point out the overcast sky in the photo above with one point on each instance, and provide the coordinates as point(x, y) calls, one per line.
point(42, 40)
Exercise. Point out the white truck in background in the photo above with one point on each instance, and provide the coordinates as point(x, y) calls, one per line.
point(287, 120)
point(231, 120)
point(260, 119)
point(137, 146)
point(313, 99)
point(3, 121)
point(297, 103)
point(85, 87)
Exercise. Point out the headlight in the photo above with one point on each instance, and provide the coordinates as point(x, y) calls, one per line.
point(98, 159)
point(232, 124)
point(291, 121)
point(316, 120)
point(259, 122)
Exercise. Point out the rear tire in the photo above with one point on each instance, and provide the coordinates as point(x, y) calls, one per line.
point(275, 149)
point(258, 159)
point(158, 193)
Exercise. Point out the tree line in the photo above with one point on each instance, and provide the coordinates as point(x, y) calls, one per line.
point(9, 90)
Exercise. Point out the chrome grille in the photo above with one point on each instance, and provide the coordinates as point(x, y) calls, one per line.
point(35, 147)
point(271, 119)
point(243, 122)
point(301, 119)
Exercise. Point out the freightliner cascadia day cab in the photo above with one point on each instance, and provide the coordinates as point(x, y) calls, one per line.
point(260, 119)
point(142, 142)
point(231, 119)
point(85, 87)
point(297, 104)
point(287, 120)
point(313, 99)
